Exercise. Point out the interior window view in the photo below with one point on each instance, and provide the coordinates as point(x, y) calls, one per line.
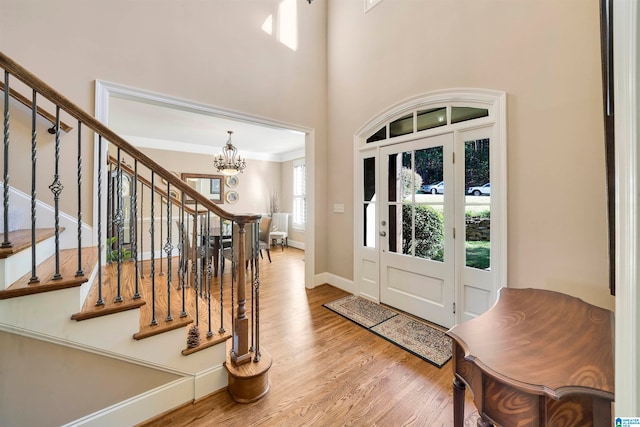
point(338, 213)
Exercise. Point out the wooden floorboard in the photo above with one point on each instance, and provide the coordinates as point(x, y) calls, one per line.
point(327, 371)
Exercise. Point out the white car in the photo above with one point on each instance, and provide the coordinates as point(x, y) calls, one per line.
point(484, 190)
point(436, 188)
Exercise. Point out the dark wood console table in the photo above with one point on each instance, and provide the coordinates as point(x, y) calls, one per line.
point(537, 358)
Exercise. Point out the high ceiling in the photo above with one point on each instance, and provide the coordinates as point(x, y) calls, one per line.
point(153, 125)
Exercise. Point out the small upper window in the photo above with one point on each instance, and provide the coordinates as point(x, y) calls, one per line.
point(427, 118)
point(432, 118)
point(401, 126)
point(379, 135)
point(462, 114)
point(369, 4)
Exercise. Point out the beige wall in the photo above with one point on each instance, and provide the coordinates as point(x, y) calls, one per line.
point(254, 184)
point(213, 52)
point(48, 384)
point(545, 56)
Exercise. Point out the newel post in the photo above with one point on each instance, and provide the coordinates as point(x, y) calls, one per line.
point(240, 353)
point(248, 377)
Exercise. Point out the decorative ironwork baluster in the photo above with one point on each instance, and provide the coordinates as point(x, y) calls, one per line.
point(233, 282)
point(256, 285)
point(56, 188)
point(100, 301)
point(206, 264)
point(220, 261)
point(141, 229)
point(79, 272)
point(194, 261)
point(6, 243)
point(118, 222)
point(209, 273)
point(200, 256)
point(161, 240)
point(34, 107)
point(183, 257)
point(154, 321)
point(168, 247)
point(134, 225)
point(254, 260)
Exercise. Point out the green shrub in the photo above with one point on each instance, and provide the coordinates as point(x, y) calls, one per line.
point(478, 214)
point(429, 233)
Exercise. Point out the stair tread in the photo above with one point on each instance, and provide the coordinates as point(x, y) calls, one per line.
point(109, 292)
point(46, 270)
point(21, 239)
point(163, 325)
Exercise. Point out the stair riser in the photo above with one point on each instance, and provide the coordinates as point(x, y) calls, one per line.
point(20, 218)
point(16, 266)
point(47, 314)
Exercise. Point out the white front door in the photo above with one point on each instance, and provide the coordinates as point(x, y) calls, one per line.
point(417, 259)
point(437, 252)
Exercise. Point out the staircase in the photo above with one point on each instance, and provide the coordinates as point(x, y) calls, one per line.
point(124, 285)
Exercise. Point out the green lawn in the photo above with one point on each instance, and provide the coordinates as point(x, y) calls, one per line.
point(478, 254)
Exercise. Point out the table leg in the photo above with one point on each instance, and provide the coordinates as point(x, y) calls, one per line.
point(458, 402)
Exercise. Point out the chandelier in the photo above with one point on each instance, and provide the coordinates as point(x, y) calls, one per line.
point(229, 163)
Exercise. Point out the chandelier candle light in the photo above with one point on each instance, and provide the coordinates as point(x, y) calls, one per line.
point(229, 163)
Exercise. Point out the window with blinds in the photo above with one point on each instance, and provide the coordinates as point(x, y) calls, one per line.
point(299, 195)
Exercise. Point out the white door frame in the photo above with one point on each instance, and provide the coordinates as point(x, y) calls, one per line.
point(626, 16)
point(366, 260)
point(104, 90)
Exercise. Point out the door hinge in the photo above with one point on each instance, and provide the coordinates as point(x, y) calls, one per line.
point(454, 308)
point(453, 157)
point(454, 232)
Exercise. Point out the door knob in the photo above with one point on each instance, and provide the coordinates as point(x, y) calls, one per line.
point(383, 233)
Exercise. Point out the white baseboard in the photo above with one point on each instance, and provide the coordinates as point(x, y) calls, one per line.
point(295, 244)
point(334, 280)
point(157, 401)
point(141, 407)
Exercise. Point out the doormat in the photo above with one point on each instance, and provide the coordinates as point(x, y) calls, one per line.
point(419, 339)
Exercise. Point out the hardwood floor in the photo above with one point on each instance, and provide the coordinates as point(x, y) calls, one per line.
point(327, 371)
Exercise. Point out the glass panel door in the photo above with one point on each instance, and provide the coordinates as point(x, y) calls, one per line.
point(417, 258)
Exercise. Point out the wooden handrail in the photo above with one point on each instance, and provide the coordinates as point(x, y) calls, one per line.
point(42, 112)
point(94, 124)
point(147, 184)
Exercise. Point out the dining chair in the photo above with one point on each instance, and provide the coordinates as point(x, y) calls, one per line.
point(279, 229)
point(263, 236)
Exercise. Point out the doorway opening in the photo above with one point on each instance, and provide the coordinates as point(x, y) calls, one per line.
point(108, 93)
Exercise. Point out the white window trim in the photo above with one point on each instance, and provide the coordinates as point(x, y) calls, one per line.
point(495, 102)
point(297, 225)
